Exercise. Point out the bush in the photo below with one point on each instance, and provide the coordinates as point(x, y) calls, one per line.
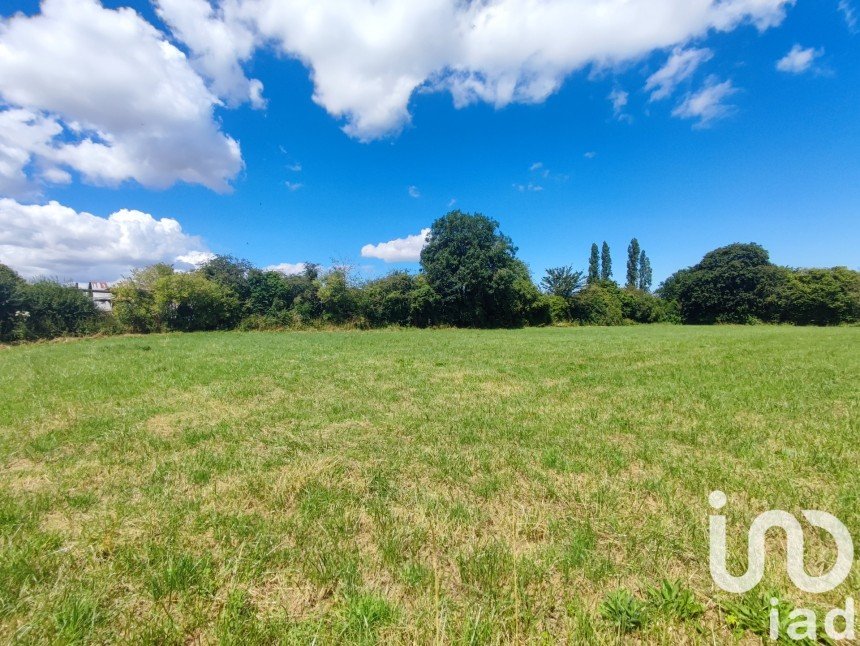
point(820, 296)
point(190, 302)
point(388, 300)
point(11, 285)
point(641, 307)
point(134, 303)
point(336, 297)
point(597, 304)
point(559, 309)
point(738, 284)
point(55, 310)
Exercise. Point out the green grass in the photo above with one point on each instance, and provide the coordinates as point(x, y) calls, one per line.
point(413, 486)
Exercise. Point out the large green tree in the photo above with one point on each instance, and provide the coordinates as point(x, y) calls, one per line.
point(605, 262)
point(11, 285)
point(473, 268)
point(562, 281)
point(729, 285)
point(645, 274)
point(594, 264)
point(633, 251)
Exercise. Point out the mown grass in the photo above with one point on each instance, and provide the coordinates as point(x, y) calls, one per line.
point(412, 486)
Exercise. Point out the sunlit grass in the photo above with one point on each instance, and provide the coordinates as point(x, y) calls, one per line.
point(410, 486)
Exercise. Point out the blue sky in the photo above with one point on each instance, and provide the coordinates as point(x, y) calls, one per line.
point(777, 163)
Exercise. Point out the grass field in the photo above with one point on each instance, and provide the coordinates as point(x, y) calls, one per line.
point(413, 486)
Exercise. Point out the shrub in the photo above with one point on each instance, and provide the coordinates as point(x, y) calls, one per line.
point(134, 303)
point(55, 310)
point(641, 307)
point(597, 304)
point(820, 296)
point(337, 298)
point(189, 302)
point(11, 285)
point(388, 300)
point(559, 309)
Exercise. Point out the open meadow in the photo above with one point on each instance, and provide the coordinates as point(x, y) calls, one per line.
point(447, 486)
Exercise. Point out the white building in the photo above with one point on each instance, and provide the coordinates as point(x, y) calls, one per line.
point(100, 292)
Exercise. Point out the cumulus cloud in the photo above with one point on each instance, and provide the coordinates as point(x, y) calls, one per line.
point(680, 66)
point(798, 60)
point(288, 268)
point(414, 192)
point(102, 93)
point(220, 43)
point(55, 240)
point(368, 57)
point(708, 104)
point(406, 249)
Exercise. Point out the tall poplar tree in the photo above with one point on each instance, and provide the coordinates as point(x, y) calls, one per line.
point(633, 252)
point(594, 264)
point(605, 263)
point(644, 272)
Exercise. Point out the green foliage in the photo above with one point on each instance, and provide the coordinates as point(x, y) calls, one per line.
point(470, 277)
point(229, 272)
point(562, 281)
point(337, 298)
point(54, 310)
point(738, 284)
point(605, 263)
point(594, 264)
point(597, 304)
point(724, 287)
point(645, 274)
point(623, 611)
point(559, 309)
point(673, 599)
point(752, 613)
point(641, 307)
point(424, 304)
point(633, 253)
point(388, 300)
point(134, 305)
point(820, 296)
point(473, 269)
point(189, 302)
point(11, 285)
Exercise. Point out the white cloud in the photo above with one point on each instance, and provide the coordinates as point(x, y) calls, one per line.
point(413, 192)
point(708, 104)
point(850, 14)
point(55, 240)
point(590, 154)
point(798, 60)
point(102, 93)
point(288, 268)
point(293, 186)
point(619, 99)
point(194, 259)
point(220, 43)
point(528, 188)
point(406, 249)
point(680, 66)
point(368, 57)
point(536, 166)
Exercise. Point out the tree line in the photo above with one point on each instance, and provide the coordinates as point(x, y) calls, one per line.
point(470, 277)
